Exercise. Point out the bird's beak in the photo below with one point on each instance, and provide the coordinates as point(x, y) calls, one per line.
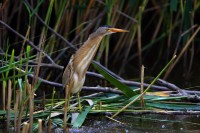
point(117, 30)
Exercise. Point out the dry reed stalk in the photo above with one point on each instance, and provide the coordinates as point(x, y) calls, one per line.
point(4, 95)
point(100, 105)
point(66, 130)
point(16, 109)
point(181, 53)
point(139, 37)
point(31, 105)
point(8, 104)
point(142, 86)
point(43, 100)
point(22, 108)
point(25, 127)
point(20, 116)
point(39, 125)
point(49, 126)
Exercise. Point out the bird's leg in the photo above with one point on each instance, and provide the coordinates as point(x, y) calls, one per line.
point(79, 101)
point(69, 98)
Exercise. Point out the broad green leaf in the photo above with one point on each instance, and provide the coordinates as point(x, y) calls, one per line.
point(81, 118)
point(124, 88)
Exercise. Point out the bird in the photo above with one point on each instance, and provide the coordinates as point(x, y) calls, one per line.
point(73, 76)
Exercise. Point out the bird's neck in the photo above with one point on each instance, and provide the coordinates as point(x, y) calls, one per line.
point(86, 53)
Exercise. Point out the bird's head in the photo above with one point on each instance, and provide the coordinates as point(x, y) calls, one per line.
point(106, 30)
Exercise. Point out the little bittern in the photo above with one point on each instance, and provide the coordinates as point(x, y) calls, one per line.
point(74, 75)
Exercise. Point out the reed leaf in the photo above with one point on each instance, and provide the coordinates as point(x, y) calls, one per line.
point(125, 89)
point(81, 118)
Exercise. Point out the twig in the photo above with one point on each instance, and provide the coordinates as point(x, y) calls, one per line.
point(40, 79)
point(155, 87)
point(108, 89)
point(30, 42)
point(98, 75)
point(191, 95)
point(162, 112)
point(171, 86)
point(102, 89)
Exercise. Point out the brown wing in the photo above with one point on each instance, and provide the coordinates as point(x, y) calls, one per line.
point(67, 73)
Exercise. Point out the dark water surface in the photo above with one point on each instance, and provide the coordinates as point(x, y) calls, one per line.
point(143, 124)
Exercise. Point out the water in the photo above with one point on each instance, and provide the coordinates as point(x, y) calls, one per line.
point(142, 124)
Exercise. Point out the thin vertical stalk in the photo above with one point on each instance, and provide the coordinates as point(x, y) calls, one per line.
point(141, 10)
point(20, 115)
point(181, 53)
point(25, 127)
point(139, 36)
point(8, 104)
point(31, 106)
point(49, 126)
point(40, 126)
point(109, 4)
point(142, 86)
point(4, 95)
point(16, 109)
point(43, 100)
